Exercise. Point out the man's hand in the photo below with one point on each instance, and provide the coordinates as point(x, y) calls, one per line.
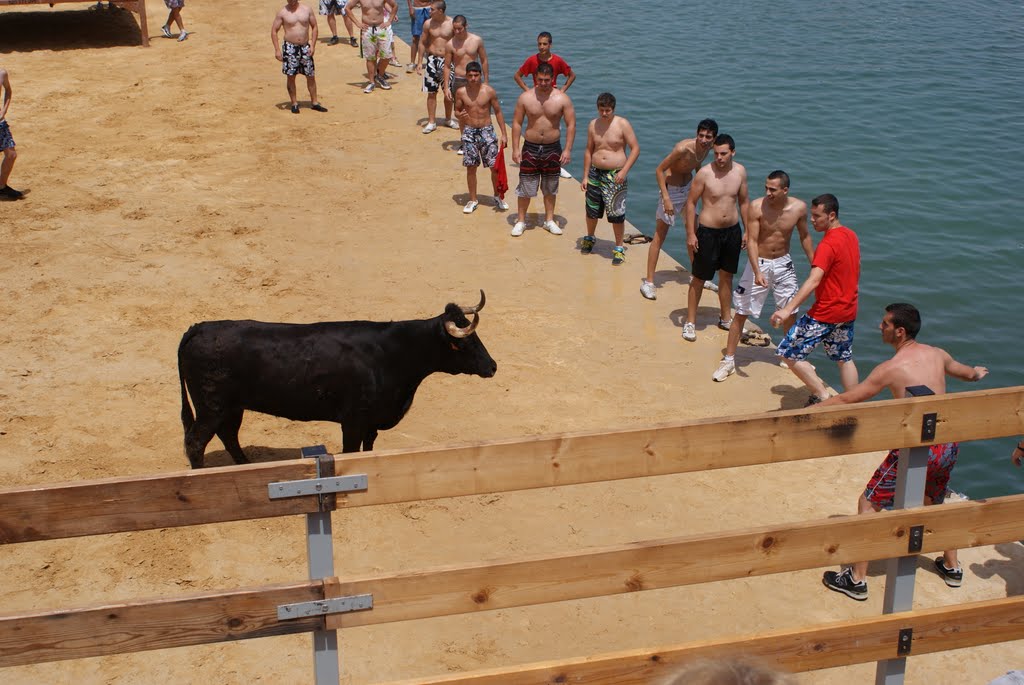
point(516, 155)
point(780, 316)
point(448, 95)
point(666, 205)
point(277, 55)
point(979, 373)
point(566, 157)
point(691, 244)
point(743, 241)
point(621, 177)
point(759, 280)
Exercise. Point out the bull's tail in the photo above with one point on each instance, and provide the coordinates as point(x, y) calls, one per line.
point(187, 418)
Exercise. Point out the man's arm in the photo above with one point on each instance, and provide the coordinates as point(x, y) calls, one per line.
point(743, 198)
point(805, 236)
point(588, 155)
point(449, 64)
point(569, 114)
point(392, 15)
point(496, 106)
point(753, 227)
point(696, 190)
point(569, 79)
point(812, 282)
point(412, 12)
point(349, 6)
point(274, 28)
point(314, 30)
point(482, 54)
point(659, 173)
point(962, 371)
point(517, 127)
point(634, 151)
point(876, 382)
point(5, 86)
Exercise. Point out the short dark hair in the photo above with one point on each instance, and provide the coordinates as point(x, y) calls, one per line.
point(780, 175)
point(544, 34)
point(708, 125)
point(441, 5)
point(546, 69)
point(460, 19)
point(606, 100)
point(828, 201)
point(905, 316)
point(474, 66)
point(725, 139)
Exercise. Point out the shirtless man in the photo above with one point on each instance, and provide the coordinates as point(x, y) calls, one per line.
point(436, 34)
point(330, 9)
point(605, 166)
point(299, 23)
point(715, 244)
point(914, 363)
point(10, 152)
point(674, 175)
point(770, 223)
point(473, 105)
point(541, 158)
point(419, 14)
point(376, 38)
point(463, 48)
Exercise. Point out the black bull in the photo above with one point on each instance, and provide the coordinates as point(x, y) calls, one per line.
point(361, 374)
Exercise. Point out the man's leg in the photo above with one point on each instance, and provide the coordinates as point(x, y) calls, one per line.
point(693, 299)
point(860, 569)
point(549, 207)
point(371, 70)
point(847, 374)
point(591, 226)
point(654, 250)
point(522, 205)
point(471, 182)
point(291, 90)
point(332, 24)
point(10, 154)
point(619, 231)
point(349, 26)
point(431, 108)
point(805, 372)
point(735, 333)
point(724, 294)
point(311, 85)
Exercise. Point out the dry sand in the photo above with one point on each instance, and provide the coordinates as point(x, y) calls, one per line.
point(170, 185)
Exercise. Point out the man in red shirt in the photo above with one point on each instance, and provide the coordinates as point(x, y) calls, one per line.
point(835, 274)
point(544, 54)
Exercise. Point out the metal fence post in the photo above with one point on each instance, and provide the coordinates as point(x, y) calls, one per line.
point(320, 552)
point(899, 577)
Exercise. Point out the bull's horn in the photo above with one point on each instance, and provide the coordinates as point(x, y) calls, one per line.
point(457, 332)
point(473, 310)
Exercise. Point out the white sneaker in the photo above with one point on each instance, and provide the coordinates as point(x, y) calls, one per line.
point(711, 285)
point(369, 88)
point(564, 173)
point(470, 207)
point(166, 30)
point(552, 228)
point(725, 369)
point(452, 123)
point(647, 290)
point(430, 128)
point(500, 204)
point(410, 67)
point(182, 36)
point(518, 229)
point(689, 332)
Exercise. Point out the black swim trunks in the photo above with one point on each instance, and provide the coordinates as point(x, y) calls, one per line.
point(718, 249)
point(6, 139)
point(605, 195)
point(295, 59)
point(433, 74)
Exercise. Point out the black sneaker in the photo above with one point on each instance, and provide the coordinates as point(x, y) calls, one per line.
point(843, 582)
point(334, 40)
point(352, 42)
point(954, 577)
point(9, 193)
point(383, 83)
point(813, 400)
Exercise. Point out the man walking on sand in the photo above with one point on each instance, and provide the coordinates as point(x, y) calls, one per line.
point(674, 175)
point(331, 9)
point(770, 223)
point(559, 65)
point(376, 38)
point(913, 363)
point(299, 23)
point(541, 157)
point(436, 34)
point(474, 103)
point(419, 13)
point(834, 279)
point(7, 148)
point(605, 166)
point(715, 244)
point(175, 7)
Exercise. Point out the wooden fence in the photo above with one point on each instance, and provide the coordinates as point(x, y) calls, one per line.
point(242, 492)
point(136, 6)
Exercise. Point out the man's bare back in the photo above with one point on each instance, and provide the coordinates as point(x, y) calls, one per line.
point(775, 226)
point(719, 194)
point(544, 114)
point(296, 19)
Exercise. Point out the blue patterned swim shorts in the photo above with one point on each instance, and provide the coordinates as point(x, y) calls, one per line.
point(806, 333)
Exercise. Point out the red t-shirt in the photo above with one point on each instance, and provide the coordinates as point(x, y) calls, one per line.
point(529, 67)
point(838, 255)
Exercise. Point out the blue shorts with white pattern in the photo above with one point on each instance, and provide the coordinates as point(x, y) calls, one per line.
point(807, 332)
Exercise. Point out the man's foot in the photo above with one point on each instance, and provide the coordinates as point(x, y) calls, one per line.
point(551, 227)
point(724, 325)
point(518, 229)
point(369, 87)
point(954, 577)
point(182, 36)
point(334, 40)
point(317, 107)
point(647, 290)
point(844, 582)
point(813, 400)
point(295, 109)
point(166, 30)
point(564, 173)
point(689, 332)
point(352, 41)
point(725, 369)
point(587, 244)
point(500, 204)
point(452, 123)
point(410, 67)
point(618, 255)
point(470, 207)
point(430, 128)
point(383, 83)
point(9, 193)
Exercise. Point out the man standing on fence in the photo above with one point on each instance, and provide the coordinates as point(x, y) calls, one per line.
point(914, 363)
point(7, 148)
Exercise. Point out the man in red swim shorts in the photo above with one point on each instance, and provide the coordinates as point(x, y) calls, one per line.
point(914, 363)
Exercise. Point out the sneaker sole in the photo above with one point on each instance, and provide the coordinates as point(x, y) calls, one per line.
point(950, 582)
point(843, 591)
point(716, 379)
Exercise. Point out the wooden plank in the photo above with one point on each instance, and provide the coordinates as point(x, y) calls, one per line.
point(678, 561)
point(506, 465)
point(838, 644)
point(185, 498)
point(159, 624)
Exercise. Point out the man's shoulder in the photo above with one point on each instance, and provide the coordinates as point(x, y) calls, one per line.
point(757, 206)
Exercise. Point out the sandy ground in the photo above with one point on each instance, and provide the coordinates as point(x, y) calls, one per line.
point(170, 185)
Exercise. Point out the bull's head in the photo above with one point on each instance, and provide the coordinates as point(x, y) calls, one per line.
point(468, 354)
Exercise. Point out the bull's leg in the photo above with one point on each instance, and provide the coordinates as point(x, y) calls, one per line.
point(351, 437)
point(228, 434)
point(197, 438)
point(368, 439)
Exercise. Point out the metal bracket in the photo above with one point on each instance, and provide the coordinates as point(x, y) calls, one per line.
point(928, 421)
point(318, 486)
point(916, 539)
point(321, 607)
point(906, 640)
